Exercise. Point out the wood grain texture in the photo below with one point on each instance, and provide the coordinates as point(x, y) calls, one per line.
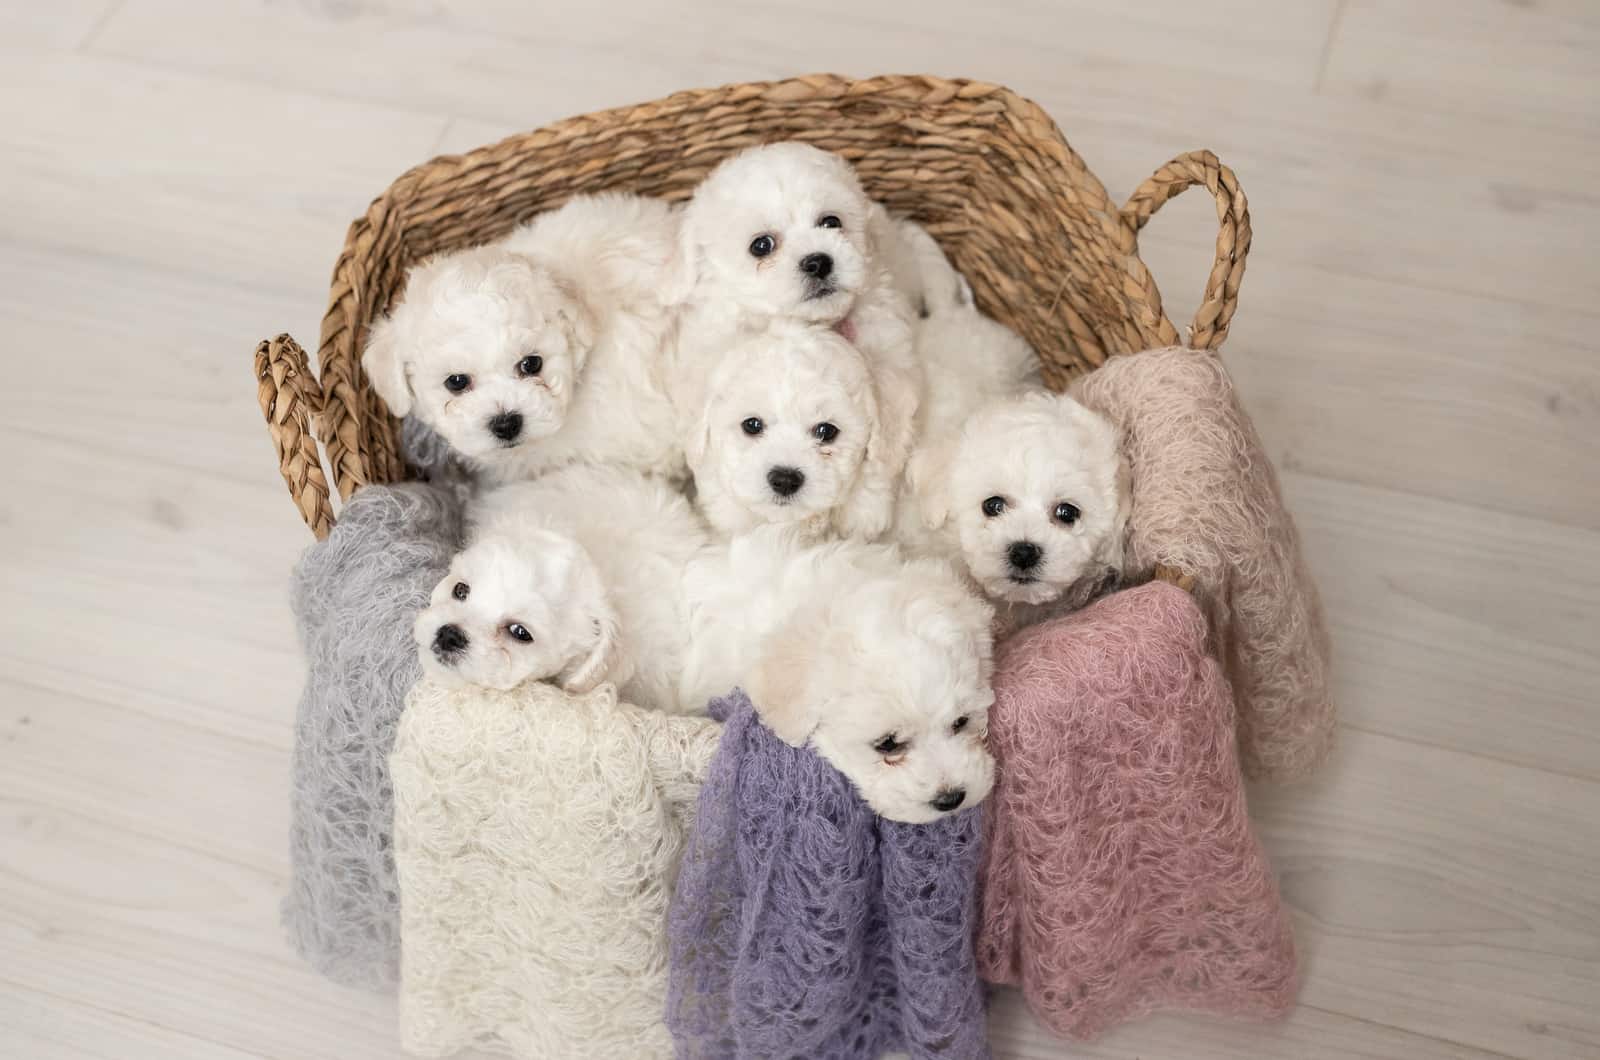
point(1416, 340)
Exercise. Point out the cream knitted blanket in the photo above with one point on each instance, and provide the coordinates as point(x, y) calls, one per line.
point(537, 838)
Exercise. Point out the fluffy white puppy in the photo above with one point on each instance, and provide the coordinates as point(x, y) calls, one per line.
point(544, 348)
point(790, 433)
point(786, 233)
point(575, 577)
point(881, 663)
point(1032, 495)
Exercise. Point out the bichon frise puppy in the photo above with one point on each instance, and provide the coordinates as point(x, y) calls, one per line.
point(544, 348)
point(786, 233)
point(880, 662)
point(790, 433)
point(574, 577)
point(1032, 495)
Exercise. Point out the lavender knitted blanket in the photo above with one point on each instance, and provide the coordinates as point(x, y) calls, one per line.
point(803, 925)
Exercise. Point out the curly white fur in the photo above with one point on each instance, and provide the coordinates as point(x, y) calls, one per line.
point(786, 233)
point(537, 839)
point(881, 663)
point(575, 577)
point(790, 433)
point(1032, 495)
point(544, 348)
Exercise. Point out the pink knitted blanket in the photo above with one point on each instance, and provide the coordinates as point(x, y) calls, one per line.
point(1206, 501)
point(1121, 874)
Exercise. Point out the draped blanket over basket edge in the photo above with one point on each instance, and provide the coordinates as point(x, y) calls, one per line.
point(1121, 872)
point(537, 836)
point(355, 596)
point(1206, 502)
point(804, 925)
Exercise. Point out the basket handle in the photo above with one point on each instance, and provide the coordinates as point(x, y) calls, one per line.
point(291, 400)
point(1211, 320)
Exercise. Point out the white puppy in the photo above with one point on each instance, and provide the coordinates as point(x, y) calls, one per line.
point(575, 577)
point(786, 233)
point(790, 433)
point(1032, 494)
point(881, 663)
point(542, 349)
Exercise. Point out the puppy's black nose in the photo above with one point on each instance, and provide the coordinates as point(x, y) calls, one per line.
point(506, 426)
point(1024, 555)
point(449, 640)
point(818, 265)
point(786, 481)
point(948, 799)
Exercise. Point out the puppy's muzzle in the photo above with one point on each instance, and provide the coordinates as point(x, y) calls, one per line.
point(947, 799)
point(786, 481)
point(449, 642)
point(506, 426)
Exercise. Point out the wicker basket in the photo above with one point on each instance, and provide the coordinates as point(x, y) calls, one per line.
point(985, 170)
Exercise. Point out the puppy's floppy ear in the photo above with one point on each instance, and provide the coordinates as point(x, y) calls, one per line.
point(697, 437)
point(868, 510)
point(577, 319)
point(604, 661)
point(386, 368)
point(1112, 551)
point(683, 270)
point(928, 476)
point(780, 685)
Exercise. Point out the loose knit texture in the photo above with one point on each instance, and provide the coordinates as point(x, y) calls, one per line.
point(537, 835)
point(1121, 872)
point(805, 926)
point(355, 596)
point(1206, 501)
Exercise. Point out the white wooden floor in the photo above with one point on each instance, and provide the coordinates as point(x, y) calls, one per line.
point(1417, 340)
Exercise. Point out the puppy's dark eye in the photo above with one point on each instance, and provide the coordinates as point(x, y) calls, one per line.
point(761, 246)
point(753, 426)
point(829, 220)
point(959, 724)
point(461, 590)
point(890, 744)
point(994, 506)
point(457, 383)
point(1067, 514)
point(518, 630)
point(532, 364)
point(825, 432)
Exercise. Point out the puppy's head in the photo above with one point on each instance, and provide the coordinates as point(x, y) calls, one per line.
point(1037, 492)
point(788, 421)
point(888, 678)
point(779, 230)
point(485, 346)
point(512, 611)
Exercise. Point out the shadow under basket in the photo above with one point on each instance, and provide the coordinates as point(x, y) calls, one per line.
point(986, 171)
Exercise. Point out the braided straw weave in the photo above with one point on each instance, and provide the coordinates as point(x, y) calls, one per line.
point(985, 170)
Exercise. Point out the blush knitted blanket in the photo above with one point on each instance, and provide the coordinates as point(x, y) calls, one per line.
point(1122, 874)
point(1206, 501)
point(803, 925)
point(536, 838)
